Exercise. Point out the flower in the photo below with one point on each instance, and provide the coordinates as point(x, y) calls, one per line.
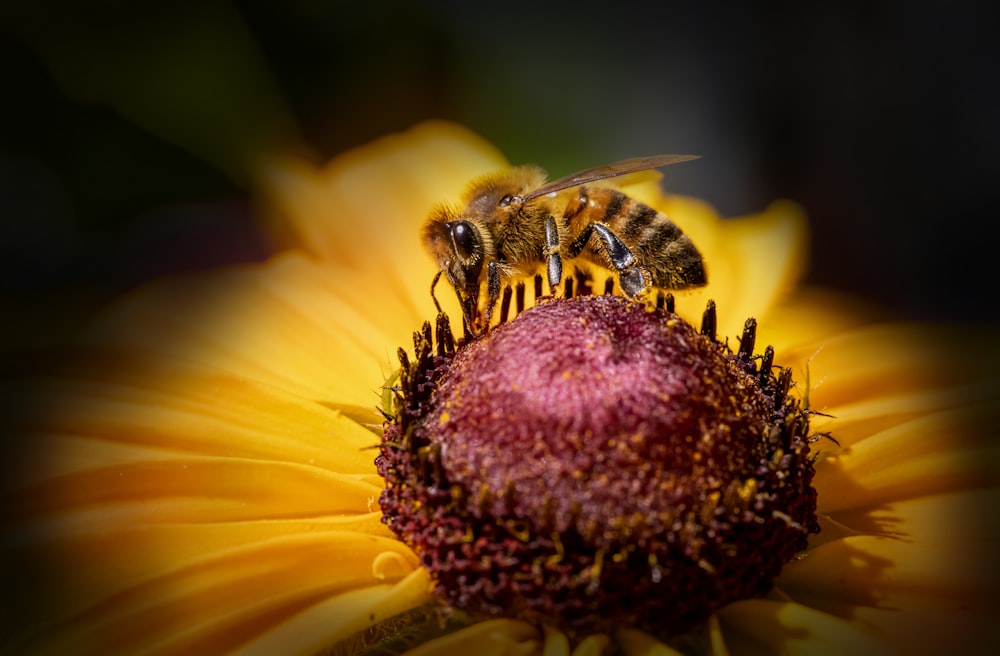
point(196, 473)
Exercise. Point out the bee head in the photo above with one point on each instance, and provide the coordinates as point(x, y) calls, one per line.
point(461, 247)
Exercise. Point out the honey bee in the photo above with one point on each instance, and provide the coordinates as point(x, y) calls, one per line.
point(513, 224)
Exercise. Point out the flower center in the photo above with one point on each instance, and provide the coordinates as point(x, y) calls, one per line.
point(597, 464)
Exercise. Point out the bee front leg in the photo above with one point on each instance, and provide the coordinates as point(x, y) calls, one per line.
point(467, 303)
point(437, 277)
point(552, 258)
point(630, 276)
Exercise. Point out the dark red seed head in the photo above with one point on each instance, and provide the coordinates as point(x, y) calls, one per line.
point(597, 464)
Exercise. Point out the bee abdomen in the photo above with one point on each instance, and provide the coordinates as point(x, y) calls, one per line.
point(660, 246)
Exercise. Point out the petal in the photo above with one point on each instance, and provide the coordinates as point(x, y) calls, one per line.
point(639, 643)
point(894, 573)
point(283, 324)
point(556, 642)
point(767, 627)
point(168, 506)
point(940, 452)
point(908, 409)
point(212, 601)
point(807, 321)
point(140, 407)
point(592, 645)
point(490, 638)
point(930, 593)
point(892, 360)
point(911, 407)
point(753, 261)
point(333, 620)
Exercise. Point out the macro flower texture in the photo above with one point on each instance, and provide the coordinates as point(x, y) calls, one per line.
point(276, 458)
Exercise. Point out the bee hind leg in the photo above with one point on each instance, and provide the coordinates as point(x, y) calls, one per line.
point(631, 278)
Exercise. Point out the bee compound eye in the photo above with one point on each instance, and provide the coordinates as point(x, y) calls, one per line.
point(465, 238)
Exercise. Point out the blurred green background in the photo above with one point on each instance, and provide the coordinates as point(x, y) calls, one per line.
point(125, 129)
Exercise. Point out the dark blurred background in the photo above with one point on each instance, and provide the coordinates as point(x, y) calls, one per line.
point(126, 130)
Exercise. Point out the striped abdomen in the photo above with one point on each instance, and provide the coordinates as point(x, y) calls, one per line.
point(663, 252)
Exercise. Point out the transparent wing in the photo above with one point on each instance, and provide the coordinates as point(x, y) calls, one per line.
point(609, 171)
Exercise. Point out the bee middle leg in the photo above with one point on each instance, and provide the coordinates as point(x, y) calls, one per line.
point(553, 260)
point(630, 276)
point(492, 291)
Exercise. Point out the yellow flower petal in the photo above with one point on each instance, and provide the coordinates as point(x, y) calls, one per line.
point(929, 631)
point(890, 572)
point(935, 520)
point(335, 619)
point(593, 645)
point(637, 643)
point(753, 261)
point(490, 638)
point(133, 408)
point(210, 603)
point(895, 360)
point(920, 589)
point(282, 324)
point(767, 627)
point(806, 321)
point(161, 488)
point(556, 642)
point(930, 454)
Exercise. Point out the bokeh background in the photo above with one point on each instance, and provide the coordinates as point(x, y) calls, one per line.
point(126, 130)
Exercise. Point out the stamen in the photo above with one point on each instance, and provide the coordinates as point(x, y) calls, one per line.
point(708, 321)
point(445, 338)
point(583, 283)
point(505, 303)
point(766, 364)
point(747, 340)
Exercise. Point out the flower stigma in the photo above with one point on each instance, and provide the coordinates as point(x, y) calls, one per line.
point(597, 463)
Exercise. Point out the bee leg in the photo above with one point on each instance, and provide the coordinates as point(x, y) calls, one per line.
point(553, 259)
point(464, 302)
point(437, 277)
point(630, 276)
point(492, 290)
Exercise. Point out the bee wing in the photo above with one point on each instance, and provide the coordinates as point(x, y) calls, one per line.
point(609, 171)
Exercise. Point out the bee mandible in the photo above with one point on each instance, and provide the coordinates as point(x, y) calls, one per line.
point(512, 224)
